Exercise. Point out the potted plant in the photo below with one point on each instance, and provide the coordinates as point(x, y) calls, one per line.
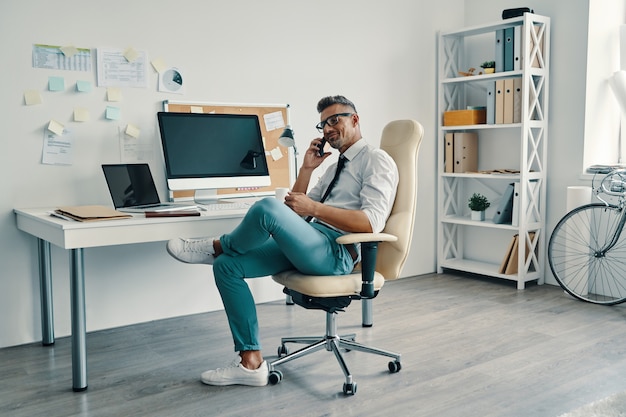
point(488, 66)
point(478, 203)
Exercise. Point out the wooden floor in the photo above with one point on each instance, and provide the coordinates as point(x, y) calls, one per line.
point(470, 347)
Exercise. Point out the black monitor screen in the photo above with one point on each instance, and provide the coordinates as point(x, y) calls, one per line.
point(212, 145)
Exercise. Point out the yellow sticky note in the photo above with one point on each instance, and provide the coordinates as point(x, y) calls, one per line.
point(131, 54)
point(158, 65)
point(32, 97)
point(69, 51)
point(81, 115)
point(56, 127)
point(197, 109)
point(132, 131)
point(114, 94)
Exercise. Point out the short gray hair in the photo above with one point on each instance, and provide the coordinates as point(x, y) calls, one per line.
point(330, 100)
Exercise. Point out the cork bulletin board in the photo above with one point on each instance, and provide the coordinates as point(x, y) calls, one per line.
point(272, 118)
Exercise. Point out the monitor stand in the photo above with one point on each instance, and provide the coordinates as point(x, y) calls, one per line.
point(207, 196)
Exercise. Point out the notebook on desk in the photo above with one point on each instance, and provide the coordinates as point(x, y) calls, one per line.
point(133, 190)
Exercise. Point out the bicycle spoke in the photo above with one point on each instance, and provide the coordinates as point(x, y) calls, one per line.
point(583, 257)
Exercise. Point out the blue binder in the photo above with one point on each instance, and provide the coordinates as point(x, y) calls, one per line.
point(509, 56)
point(504, 213)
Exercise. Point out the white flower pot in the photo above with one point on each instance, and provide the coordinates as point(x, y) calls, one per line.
point(478, 215)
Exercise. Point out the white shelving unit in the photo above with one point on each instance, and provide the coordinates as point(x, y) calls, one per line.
point(480, 246)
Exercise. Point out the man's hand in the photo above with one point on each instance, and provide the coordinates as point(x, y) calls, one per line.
point(300, 203)
point(311, 157)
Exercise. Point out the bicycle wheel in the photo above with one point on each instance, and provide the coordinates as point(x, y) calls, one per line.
point(576, 258)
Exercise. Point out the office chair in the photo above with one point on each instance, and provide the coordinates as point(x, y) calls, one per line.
point(379, 262)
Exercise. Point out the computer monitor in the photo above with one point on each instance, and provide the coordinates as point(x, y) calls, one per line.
point(206, 152)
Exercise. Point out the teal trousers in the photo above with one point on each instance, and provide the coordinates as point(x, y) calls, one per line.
point(271, 238)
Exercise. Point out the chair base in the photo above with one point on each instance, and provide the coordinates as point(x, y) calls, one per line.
point(332, 343)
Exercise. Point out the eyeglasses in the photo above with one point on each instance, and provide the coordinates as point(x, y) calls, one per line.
point(331, 121)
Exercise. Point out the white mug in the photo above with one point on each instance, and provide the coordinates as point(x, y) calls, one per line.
point(281, 193)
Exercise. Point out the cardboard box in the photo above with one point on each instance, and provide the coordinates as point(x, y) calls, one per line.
point(464, 117)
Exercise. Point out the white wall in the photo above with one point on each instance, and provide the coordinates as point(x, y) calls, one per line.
point(381, 55)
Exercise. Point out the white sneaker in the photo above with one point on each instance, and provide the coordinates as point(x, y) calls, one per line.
point(236, 374)
point(192, 251)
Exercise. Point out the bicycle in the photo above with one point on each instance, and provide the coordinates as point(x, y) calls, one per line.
point(587, 251)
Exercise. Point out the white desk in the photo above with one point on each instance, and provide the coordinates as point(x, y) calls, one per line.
point(75, 236)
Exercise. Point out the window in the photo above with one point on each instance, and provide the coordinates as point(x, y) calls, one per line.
point(605, 55)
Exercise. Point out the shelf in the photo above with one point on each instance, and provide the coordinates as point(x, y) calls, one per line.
point(465, 220)
point(483, 126)
point(522, 146)
point(490, 27)
point(501, 177)
point(483, 77)
point(487, 269)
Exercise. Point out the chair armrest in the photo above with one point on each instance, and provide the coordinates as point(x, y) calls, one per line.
point(365, 237)
point(369, 249)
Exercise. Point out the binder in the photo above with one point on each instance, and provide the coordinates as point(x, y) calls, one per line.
point(517, 100)
point(491, 103)
point(499, 108)
point(504, 212)
point(507, 255)
point(465, 152)
point(499, 52)
point(508, 48)
point(507, 114)
point(517, 209)
point(449, 153)
point(517, 48)
point(512, 267)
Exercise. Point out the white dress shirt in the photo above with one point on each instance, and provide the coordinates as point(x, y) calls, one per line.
point(368, 182)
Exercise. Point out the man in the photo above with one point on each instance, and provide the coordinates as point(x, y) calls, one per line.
point(299, 234)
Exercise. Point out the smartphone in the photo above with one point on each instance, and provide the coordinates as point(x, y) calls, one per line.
point(320, 150)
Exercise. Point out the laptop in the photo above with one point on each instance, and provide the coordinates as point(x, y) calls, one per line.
point(133, 191)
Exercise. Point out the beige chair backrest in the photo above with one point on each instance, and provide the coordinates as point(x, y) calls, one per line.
point(401, 139)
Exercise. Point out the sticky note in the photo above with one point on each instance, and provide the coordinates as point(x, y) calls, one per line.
point(114, 94)
point(196, 109)
point(56, 83)
point(131, 54)
point(112, 113)
point(69, 51)
point(32, 97)
point(132, 130)
point(276, 153)
point(56, 127)
point(81, 114)
point(158, 64)
point(83, 86)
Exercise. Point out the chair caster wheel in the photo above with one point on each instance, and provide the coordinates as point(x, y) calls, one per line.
point(282, 351)
point(275, 377)
point(349, 389)
point(394, 366)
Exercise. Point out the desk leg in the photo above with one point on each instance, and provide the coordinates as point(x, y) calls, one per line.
point(45, 293)
point(79, 336)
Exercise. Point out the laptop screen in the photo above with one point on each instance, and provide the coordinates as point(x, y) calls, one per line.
point(130, 185)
